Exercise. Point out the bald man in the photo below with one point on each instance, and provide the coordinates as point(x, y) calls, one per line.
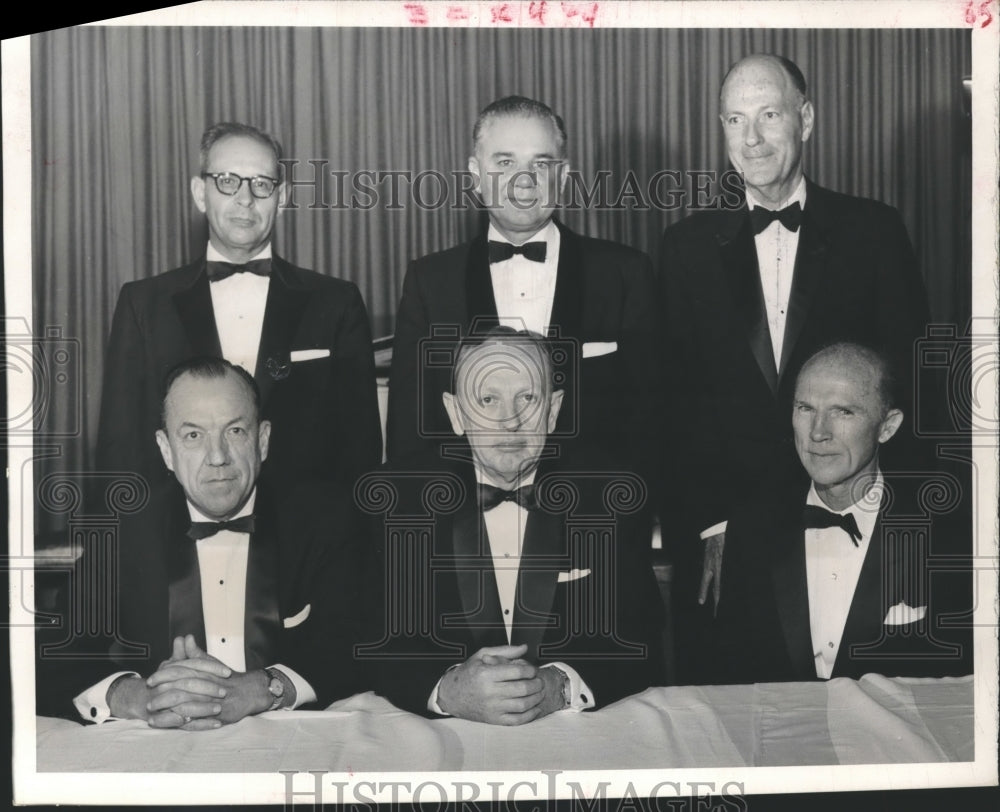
point(833, 580)
point(748, 295)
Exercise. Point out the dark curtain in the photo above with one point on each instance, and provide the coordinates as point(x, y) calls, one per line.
point(117, 114)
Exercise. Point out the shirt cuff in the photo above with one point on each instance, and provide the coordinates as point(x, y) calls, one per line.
point(580, 695)
point(714, 530)
point(432, 701)
point(304, 692)
point(92, 704)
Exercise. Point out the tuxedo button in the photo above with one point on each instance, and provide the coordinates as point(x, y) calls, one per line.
point(506, 611)
point(830, 645)
point(93, 713)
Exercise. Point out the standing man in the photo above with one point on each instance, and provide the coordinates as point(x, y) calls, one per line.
point(524, 585)
point(832, 579)
point(304, 336)
point(244, 600)
point(749, 294)
point(529, 271)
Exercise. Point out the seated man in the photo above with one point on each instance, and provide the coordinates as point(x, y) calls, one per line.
point(244, 603)
point(513, 582)
point(837, 582)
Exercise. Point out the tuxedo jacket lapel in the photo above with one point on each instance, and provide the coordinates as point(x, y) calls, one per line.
point(184, 579)
point(567, 301)
point(194, 309)
point(261, 617)
point(791, 591)
point(537, 578)
point(810, 261)
point(475, 580)
point(739, 260)
point(480, 303)
point(282, 316)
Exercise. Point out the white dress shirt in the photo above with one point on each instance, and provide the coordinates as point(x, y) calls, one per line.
point(524, 289)
point(238, 302)
point(833, 566)
point(505, 528)
point(222, 566)
point(776, 250)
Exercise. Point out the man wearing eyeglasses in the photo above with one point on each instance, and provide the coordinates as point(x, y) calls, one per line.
point(303, 335)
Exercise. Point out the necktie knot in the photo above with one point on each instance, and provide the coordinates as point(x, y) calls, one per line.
point(500, 251)
point(202, 530)
point(820, 518)
point(489, 496)
point(218, 270)
point(790, 217)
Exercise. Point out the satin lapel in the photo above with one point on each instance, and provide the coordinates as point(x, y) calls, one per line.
point(870, 603)
point(791, 592)
point(183, 576)
point(261, 618)
point(282, 316)
point(480, 303)
point(536, 583)
point(810, 261)
point(474, 576)
point(739, 259)
point(194, 309)
point(567, 301)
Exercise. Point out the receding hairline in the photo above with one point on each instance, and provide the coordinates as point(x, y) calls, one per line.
point(528, 347)
point(781, 64)
point(202, 375)
point(855, 357)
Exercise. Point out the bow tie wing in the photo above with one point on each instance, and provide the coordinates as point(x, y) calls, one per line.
point(490, 496)
point(502, 251)
point(202, 530)
point(790, 217)
point(218, 270)
point(819, 518)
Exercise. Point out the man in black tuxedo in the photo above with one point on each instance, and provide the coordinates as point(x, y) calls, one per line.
point(835, 580)
point(749, 293)
point(303, 335)
point(513, 584)
point(243, 602)
point(529, 271)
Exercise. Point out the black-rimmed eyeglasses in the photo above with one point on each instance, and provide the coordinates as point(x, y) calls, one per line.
point(229, 183)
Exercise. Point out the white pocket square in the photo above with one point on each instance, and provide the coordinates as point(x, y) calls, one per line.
point(308, 355)
point(297, 619)
point(572, 575)
point(901, 614)
point(591, 349)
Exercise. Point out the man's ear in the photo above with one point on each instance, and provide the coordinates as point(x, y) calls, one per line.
point(555, 403)
point(474, 169)
point(808, 118)
point(264, 438)
point(890, 425)
point(165, 452)
point(284, 191)
point(454, 413)
point(563, 175)
point(198, 192)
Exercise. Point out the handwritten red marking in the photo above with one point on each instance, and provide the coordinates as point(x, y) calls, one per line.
point(536, 11)
point(456, 13)
point(418, 14)
point(973, 13)
point(585, 11)
point(501, 13)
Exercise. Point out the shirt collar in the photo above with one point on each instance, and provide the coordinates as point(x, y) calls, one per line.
point(865, 510)
point(798, 196)
point(246, 510)
point(213, 255)
point(545, 234)
point(482, 478)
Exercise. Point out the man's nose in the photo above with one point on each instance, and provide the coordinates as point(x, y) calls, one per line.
point(820, 429)
point(243, 195)
point(218, 450)
point(510, 418)
point(751, 133)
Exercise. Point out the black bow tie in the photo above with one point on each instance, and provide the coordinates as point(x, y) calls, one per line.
point(489, 496)
point(790, 217)
point(202, 530)
point(821, 518)
point(499, 251)
point(221, 270)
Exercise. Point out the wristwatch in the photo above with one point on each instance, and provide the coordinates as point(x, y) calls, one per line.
point(275, 687)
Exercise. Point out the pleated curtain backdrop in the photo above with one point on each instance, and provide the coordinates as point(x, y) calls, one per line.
point(117, 114)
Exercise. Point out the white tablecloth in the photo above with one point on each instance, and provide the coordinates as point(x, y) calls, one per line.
point(874, 720)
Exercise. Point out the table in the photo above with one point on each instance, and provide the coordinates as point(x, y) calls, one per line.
point(872, 720)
